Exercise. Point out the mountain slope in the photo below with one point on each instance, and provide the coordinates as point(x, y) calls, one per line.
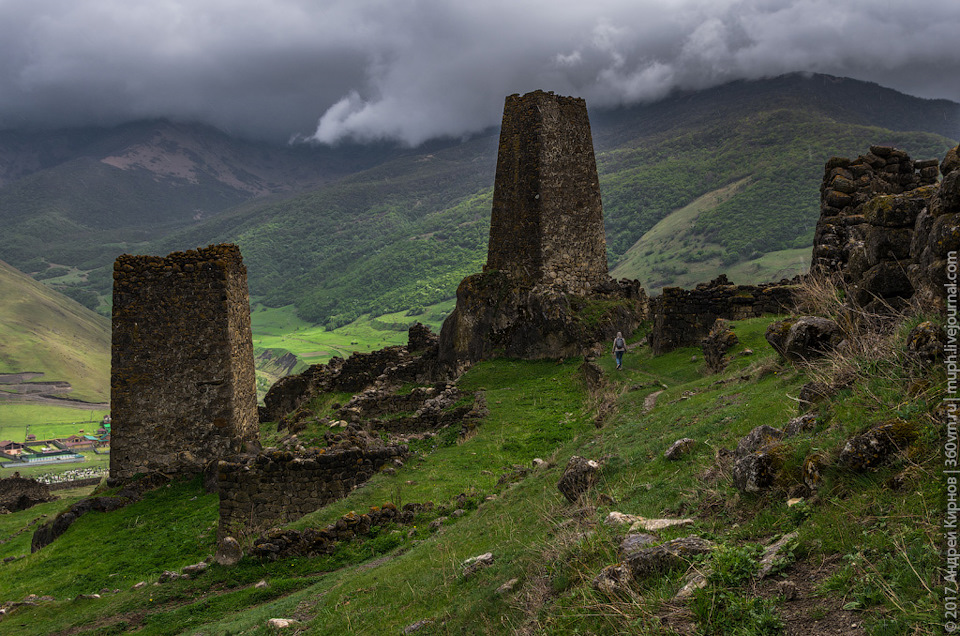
point(396, 229)
point(81, 197)
point(43, 331)
point(403, 234)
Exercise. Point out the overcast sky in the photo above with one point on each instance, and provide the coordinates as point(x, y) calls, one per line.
point(414, 69)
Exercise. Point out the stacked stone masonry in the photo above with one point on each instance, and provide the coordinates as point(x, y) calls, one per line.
point(276, 487)
point(416, 363)
point(183, 389)
point(683, 317)
point(886, 225)
point(547, 219)
point(544, 291)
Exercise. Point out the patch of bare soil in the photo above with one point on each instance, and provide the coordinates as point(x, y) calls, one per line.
point(803, 610)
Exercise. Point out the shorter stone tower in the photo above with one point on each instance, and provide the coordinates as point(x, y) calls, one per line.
point(182, 385)
point(547, 219)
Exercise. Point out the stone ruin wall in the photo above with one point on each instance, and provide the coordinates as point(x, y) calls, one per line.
point(683, 317)
point(886, 225)
point(183, 389)
point(547, 218)
point(276, 487)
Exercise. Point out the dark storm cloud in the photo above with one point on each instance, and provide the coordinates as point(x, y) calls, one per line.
point(414, 69)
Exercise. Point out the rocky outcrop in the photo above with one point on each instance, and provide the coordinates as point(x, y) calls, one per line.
point(886, 226)
point(578, 477)
point(679, 449)
point(647, 562)
point(377, 370)
point(719, 340)
point(805, 338)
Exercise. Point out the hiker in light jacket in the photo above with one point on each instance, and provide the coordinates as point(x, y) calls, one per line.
point(619, 346)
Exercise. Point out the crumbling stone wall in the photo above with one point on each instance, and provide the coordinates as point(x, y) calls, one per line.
point(183, 389)
point(415, 363)
point(275, 487)
point(547, 219)
point(18, 493)
point(683, 317)
point(870, 210)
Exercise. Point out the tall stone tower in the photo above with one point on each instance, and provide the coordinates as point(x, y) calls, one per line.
point(547, 219)
point(182, 385)
point(545, 291)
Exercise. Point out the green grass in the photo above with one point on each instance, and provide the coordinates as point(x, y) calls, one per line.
point(674, 254)
point(281, 329)
point(46, 422)
point(883, 542)
point(46, 332)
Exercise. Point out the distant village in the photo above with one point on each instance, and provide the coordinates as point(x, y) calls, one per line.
point(33, 451)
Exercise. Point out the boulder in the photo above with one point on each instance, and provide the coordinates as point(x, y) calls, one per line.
point(884, 281)
point(508, 587)
point(776, 334)
point(634, 542)
point(282, 623)
point(926, 342)
point(811, 337)
point(655, 525)
point(614, 580)
point(800, 424)
point(477, 563)
point(229, 552)
point(679, 448)
point(877, 444)
point(195, 569)
point(773, 553)
point(757, 439)
point(757, 471)
point(578, 477)
point(951, 162)
point(667, 556)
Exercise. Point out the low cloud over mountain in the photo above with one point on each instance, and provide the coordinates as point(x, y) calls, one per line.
point(408, 71)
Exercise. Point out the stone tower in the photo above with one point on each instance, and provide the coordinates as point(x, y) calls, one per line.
point(545, 291)
point(182, 385)
point(547, 219)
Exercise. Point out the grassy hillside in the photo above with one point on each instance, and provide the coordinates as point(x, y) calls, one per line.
point(46, 332)
point(866, 552)
point(403, 234)
point(396, 229)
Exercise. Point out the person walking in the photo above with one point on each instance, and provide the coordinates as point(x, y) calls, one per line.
point(619, 346)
